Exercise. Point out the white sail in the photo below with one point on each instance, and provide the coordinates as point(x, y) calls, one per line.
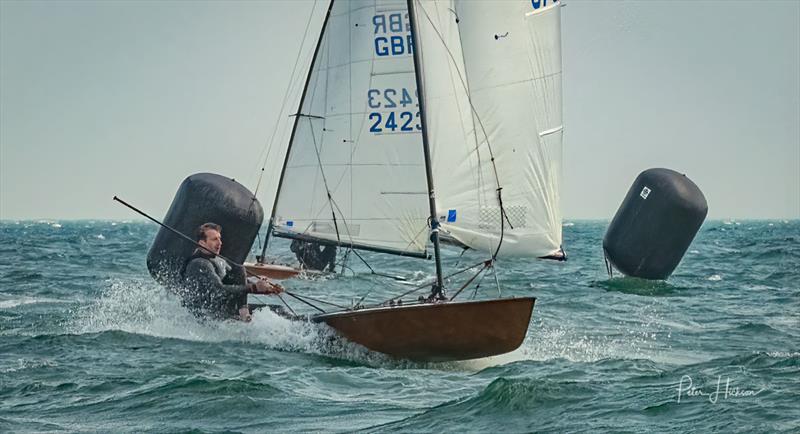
point(355, 173)
point(492, 81)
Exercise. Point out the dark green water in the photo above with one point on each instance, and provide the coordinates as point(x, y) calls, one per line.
point(88, 342)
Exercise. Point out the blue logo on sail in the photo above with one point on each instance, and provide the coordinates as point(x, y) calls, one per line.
point(541, 3)
point(451, 216)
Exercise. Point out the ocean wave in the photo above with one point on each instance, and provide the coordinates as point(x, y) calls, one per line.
point(505, 405)
point(753, 363)
point(637, 286)
point(33, 424)
point(516, 394)
point(23, 364)
point(757, 328)
point(204, 385)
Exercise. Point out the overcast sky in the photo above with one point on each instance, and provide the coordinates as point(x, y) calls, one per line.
point(128, 98)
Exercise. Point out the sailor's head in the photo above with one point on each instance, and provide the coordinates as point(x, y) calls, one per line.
point(209, 235)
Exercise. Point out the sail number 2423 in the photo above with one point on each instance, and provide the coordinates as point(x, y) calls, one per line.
point(394, 111)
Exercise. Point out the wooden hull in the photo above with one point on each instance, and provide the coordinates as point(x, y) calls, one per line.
point(437, 332)
point(272, 271)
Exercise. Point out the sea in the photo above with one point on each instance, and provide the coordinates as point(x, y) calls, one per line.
point(89, 342)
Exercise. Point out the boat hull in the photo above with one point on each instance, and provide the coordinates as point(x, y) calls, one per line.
point(437, 332)
point(272, 271)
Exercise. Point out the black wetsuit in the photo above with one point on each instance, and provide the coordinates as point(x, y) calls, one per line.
point(310, 255)
point(211, 287)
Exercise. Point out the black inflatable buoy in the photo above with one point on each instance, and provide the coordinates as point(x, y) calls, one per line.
point(203, 198)
point(655, 224)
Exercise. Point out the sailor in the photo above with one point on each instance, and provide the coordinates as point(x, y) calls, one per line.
point(210, 288)
point(311, 257)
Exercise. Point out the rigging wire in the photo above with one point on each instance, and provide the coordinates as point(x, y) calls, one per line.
point(497, 284)
point(265, 152)
point(503, 215)
point(324, 302)
point(294, 131)
point(464, 250)
point(430, 283)
point(298, 298)
point(260, 299)
point(325, 181)
point(478, 285)
point(344, 260)
point(372, 270)
point(486, 265)
point(287, 305)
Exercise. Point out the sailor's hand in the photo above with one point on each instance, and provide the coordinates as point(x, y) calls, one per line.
point(266, 287)
point(275, 288)
point(244, 314)
point(258, 286)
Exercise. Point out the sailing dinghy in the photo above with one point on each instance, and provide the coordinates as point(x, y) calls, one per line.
point(414, 107)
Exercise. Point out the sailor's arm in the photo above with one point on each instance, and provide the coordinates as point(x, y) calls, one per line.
point(263, 286)
point(203, 274)
point(253, 284)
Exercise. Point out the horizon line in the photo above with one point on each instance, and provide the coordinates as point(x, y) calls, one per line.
point(564, 220)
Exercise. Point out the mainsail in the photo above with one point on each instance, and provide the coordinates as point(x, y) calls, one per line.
point(355, 173)
point(491, 72)
point(492, 79)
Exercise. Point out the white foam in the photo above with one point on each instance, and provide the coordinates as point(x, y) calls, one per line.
point(23, 364)
point(143, 307)
point(783, 355)
point(9, 304)
point(715, 278)
point(637, 337)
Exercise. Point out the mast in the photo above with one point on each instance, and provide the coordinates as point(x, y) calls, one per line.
point(298, 115)
point(438, 288)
